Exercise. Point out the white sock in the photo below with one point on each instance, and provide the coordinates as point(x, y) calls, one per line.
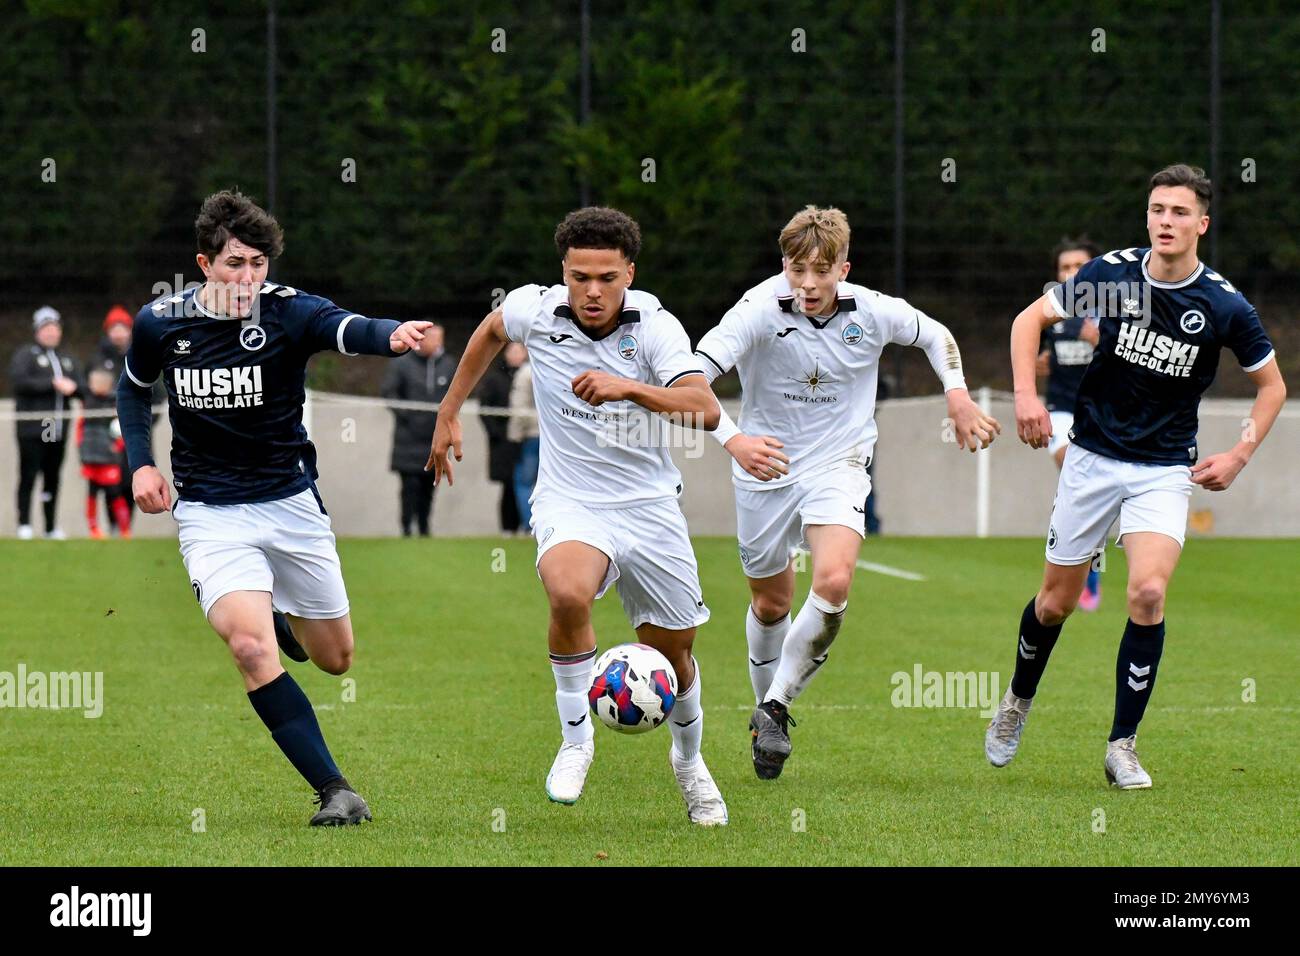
point(687, 723)
point(572, 681)
point(806, 647)
point(765, 642)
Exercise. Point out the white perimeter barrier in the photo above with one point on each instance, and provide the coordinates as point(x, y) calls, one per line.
point(925, 485)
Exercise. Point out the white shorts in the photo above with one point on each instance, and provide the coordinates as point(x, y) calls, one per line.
point(770, 523)
point(651, 560)
point(283, 547)
point(1094, 490)
point(1062, 422)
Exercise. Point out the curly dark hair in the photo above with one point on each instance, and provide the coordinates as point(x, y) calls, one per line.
point(231, 213)
point(598, 227)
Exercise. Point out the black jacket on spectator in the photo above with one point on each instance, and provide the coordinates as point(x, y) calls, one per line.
point(414, 378)
point(98, 446)
point(494, 392)
point(32, 378)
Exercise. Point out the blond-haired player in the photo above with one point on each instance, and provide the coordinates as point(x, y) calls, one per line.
point(807, 345)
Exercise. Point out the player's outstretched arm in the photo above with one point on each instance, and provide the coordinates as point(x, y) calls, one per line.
point(1217, 472)
point(1033, 424)
point(484, 346)
point(689, 400)
point(974, 427)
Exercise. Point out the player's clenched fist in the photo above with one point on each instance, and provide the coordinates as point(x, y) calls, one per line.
point(975, 428)
point(150, 490)
point(596, 388)
point(1033, 424)
point(759, 455)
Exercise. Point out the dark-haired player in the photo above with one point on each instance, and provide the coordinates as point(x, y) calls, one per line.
point(1067, 347)
point(1164, 317)
point(253, 529)
point(607, 362)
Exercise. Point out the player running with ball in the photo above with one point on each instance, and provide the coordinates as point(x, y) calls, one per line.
point(807, 345)
point(607, 362)
point(1164, 318)
point(253, 529)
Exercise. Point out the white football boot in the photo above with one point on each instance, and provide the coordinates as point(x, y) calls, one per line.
point(25, 532)
point(704, 803)
point(569, 772)
point(1002, 738)
point(1122, 767)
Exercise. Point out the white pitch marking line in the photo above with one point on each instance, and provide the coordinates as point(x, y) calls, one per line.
point(892, 572)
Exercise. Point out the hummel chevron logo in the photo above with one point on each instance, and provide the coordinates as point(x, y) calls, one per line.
point(560, 337)
point(1139, 672)
point(688, 723)
point(1125, 254)
point(781, 335)
point(1027, 650)
point(575, 723)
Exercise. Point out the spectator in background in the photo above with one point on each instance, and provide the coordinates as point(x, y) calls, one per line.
point(44, 381)
point(415, 378)
point(503, 454)
point(110, 356)
point(102, 455)
point(523, 429)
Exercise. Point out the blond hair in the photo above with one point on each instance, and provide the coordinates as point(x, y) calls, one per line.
point(820, 234)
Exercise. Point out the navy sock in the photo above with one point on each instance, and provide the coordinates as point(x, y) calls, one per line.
point(1135, 675)
point(287, 713)
point(1035, 644)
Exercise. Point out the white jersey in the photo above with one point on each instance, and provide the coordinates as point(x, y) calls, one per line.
point(809, 381)
point(614, 455)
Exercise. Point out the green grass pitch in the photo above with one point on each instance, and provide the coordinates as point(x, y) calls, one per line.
point(453, 725)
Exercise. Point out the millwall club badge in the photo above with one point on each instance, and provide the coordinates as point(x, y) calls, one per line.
point(1192, 322)
point(627, 347)
point(252, 338)
point(852, 334)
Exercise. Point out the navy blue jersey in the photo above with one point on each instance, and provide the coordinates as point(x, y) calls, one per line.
point(1068, 357)
point(236, 388)
point(1159, 351)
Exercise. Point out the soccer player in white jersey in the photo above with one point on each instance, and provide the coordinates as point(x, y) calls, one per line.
point(608, 361)
point(807, 345)
point(253, 529)
point(1164, 318)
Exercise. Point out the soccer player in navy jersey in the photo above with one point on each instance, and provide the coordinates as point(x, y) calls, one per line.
point(1164, 317)
point(1067, 348)
point(254, 533)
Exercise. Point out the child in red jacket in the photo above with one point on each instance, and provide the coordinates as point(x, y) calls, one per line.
point(102, 450)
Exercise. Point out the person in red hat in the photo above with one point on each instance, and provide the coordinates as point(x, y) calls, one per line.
point(110, 356)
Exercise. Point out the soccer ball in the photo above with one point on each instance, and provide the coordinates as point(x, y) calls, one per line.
point(634, 689)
